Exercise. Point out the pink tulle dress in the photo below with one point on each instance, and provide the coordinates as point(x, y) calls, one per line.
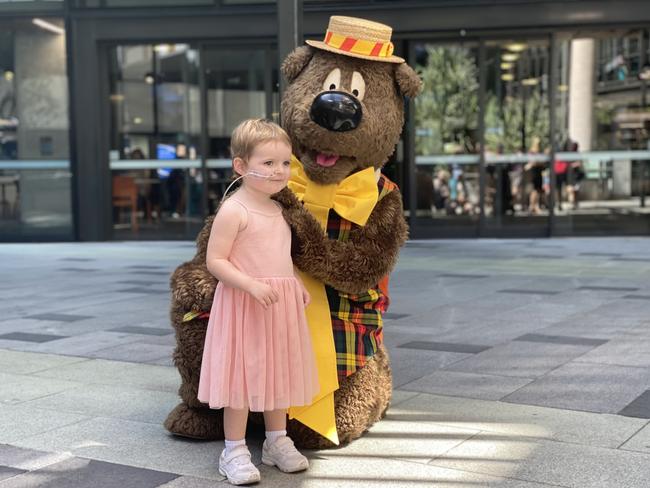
point(255, 358)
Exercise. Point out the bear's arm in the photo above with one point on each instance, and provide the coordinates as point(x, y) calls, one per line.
point(193, 286)
point(191, 283)
point(355, 265)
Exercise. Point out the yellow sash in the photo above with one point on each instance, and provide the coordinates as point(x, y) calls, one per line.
point(353, 199)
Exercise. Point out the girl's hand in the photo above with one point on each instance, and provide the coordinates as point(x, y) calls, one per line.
point(263, 293)
point(306, 297)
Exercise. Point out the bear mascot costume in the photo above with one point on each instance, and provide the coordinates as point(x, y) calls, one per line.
point(344, 112)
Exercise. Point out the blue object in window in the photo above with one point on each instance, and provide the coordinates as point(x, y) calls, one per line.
point(165, 151)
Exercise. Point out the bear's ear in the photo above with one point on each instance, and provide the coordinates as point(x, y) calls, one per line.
point(296, 61)
point(408, 80)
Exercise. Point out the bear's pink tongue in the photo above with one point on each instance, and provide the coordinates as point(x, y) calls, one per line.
point(326, 160)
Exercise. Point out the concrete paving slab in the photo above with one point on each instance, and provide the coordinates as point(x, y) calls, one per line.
point(29, 459)
point(101, 371)
point(400, 396)
point(624, 351)
point(520, 359)
point(114, 401)
point(193, 482)
point(136, 352)
point(336, 469)
point(16, 388)
point(130, 443)
point(410, 364)
point(585, 327)
point(556, 463)
point(30, 337)
point(639, 407)
point(585, 386)
point(81, 473)
point(18, 422)
point(592, 429)
point(640, 441)
point(6, 472)
point(469, 385)
point(19, 362)
point(82, 345)
point(417, 440)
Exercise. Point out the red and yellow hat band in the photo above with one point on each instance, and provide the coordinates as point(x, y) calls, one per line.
point(359, 46)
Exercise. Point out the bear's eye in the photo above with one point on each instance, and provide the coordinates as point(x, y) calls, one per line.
point(358, 86)
point(333, 80)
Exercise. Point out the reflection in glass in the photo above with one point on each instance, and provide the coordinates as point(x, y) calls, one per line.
point(236, 85)
point(34, 152)
point(603, 123)
point(155, 141)
point(517, 135)
point(446, 134)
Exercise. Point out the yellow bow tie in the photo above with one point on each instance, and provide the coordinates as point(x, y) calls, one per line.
point(353, 199)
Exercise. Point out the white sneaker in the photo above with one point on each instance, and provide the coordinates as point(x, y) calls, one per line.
point(237, 466)
point(283, 454)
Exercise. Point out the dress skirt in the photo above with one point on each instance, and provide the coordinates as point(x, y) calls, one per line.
point(255, 358)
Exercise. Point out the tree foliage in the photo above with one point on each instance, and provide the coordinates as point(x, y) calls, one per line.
point(447, 110)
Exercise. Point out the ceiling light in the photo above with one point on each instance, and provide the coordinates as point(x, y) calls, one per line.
point(137, 120)
point(563, 88)
point(516, 47)
point(9, 75)
point(530, 82)
point(507, 77)
point(506, 65)
point(163, 48)
point(48, 26)
point(149, 79)
point(510, 57)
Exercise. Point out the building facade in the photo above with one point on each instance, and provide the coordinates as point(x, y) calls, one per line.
point(115, 115)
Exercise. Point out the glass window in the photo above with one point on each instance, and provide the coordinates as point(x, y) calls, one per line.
point(236, 82)
point(446, 136)
point(155, 155)
point(603, 121)
point(517, 136)
point(35, 178)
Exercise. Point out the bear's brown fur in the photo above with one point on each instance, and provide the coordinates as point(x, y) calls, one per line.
point(350, 266)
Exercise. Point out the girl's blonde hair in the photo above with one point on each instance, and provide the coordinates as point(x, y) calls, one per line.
point(252, 132)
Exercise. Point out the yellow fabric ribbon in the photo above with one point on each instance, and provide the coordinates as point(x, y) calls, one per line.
point(353, 199)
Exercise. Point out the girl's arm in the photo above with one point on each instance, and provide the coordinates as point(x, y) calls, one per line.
point(230, 219)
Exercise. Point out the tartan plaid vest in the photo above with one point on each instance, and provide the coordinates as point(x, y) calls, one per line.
point(356, 319)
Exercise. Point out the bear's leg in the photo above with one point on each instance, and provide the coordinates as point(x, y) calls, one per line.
point(361, 400)
point(192, 418)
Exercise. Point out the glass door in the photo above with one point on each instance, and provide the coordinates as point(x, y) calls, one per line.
point(517, 138)
point(155, 143)
point(447, 140)
point(238, 82)
point(603, 126)
point(172, 110)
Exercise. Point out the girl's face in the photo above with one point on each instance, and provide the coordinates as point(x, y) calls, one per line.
point(271, 159)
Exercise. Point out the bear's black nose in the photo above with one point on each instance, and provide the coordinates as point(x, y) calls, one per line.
point(336, 111)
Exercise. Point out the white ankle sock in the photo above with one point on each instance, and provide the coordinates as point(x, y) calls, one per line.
point(230, 445)
point(273, 435)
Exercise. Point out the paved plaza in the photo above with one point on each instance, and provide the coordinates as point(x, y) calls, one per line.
point(516, 363)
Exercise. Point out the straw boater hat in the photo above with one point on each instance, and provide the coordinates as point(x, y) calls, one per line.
point(358, 38)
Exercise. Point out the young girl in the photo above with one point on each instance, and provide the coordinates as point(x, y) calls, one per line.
point(258, 354)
